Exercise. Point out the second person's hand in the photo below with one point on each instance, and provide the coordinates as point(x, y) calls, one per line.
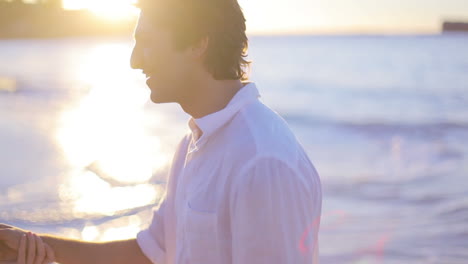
point(32, 250)
point(9, 241)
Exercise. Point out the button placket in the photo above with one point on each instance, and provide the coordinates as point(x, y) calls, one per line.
point(181, 198)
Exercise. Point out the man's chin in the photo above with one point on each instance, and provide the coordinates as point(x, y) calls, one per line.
point(158, 99)
point(160, 93)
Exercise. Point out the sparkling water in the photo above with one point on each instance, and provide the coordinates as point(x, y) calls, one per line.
point(84, 153)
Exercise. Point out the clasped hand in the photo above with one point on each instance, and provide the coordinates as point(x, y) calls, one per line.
point(19, 246)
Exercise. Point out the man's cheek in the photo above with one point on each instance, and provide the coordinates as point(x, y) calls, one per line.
point(150, 55)
point(153, 61)
point(147, 55)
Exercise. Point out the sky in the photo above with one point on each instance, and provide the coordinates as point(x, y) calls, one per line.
point(353, 16)
point(335, 16)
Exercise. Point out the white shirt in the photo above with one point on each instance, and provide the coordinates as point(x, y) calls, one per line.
point(244, 192)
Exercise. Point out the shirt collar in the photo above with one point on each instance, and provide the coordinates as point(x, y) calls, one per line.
point(207, 125)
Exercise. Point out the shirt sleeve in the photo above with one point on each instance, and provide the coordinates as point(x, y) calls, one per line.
point(275, 215)
point(151, 240)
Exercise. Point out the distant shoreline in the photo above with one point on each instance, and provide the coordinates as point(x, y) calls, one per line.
point(129, 36)
point(46, 21)
point(18, 20)
point(455, 27)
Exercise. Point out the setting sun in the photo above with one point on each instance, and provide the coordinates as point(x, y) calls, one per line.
point(108, 9)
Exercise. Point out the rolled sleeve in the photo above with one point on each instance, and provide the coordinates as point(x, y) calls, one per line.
point(275, 215)
point(151, 240)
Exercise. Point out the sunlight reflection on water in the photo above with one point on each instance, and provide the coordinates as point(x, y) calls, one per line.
point(91, 194)
point(389, 142)
point(104, 134)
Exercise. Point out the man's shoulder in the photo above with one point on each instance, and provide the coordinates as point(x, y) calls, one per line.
point(263, 131)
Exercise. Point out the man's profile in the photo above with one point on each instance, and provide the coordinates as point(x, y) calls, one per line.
point(241, 188)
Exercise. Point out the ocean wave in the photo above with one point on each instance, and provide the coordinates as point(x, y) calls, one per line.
point(44, 89)
point(378, 126)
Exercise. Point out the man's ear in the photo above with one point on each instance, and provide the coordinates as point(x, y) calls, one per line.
point(199, 48)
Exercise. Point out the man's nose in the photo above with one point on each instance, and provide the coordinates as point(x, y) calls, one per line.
point(136, 58)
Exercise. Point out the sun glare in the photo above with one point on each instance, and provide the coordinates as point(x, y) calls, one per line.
point(103, 137)
point(108, 9)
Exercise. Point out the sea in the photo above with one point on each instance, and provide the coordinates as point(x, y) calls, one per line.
point(84, 153)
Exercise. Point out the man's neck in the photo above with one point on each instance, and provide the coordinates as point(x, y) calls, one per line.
point(211, 96)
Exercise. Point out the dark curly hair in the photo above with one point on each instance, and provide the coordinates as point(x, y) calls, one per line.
point(222, 21)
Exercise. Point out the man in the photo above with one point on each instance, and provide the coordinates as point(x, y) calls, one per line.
point(241, 188)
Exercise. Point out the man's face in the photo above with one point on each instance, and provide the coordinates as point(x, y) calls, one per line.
point(168, 71)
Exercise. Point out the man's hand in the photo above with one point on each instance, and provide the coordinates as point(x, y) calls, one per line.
point(10, 238)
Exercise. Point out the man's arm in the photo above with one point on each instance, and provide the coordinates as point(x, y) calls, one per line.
point(148, 250)
point(69, 251)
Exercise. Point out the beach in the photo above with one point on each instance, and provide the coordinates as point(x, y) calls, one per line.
point(384, 119)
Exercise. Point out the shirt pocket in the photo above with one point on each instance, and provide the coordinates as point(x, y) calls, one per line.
point(201, 234)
